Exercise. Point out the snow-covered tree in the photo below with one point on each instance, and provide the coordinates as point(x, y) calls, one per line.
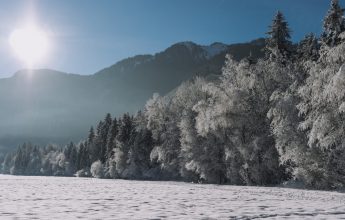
point(278, 44)
point(71, 155)
point(111, 144)
point(104, 137)
point(235, 114)
point(91, 136)
point(123, 144)
point(7, 163)
point(308, 48)
point(97, 169)
point(196, 163)
point(98, 148)
point(163, 124)
point(321, 106)
point(333, 24)
point(83, 159)
point(139, 154)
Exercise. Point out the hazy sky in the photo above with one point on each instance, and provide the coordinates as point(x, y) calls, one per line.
point(88, 35)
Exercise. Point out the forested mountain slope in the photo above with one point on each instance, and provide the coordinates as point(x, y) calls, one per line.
point(47, 106)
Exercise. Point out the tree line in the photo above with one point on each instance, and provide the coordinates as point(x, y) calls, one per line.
point(263, 122)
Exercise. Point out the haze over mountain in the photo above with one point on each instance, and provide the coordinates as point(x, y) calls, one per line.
point(46, 106)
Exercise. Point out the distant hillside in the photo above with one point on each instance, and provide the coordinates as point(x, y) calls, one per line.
point(45, 106)
point(165, 70)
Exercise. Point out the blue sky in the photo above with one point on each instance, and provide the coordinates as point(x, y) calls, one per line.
point(88, 35)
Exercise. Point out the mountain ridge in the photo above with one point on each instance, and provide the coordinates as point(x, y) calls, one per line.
point(49, 104)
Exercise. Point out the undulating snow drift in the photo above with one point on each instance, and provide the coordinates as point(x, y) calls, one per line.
point(70, 198)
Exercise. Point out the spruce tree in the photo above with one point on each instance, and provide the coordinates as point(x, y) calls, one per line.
point(91, 136)
point(333, 24)
point(83, 157)
point(140, 151)
point(123, 139)
point(111, 138)
point(96, 148)
point(308, 48)
point(278, 45)
point(103, 136)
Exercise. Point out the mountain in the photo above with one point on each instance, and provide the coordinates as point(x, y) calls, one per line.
point(45, 106)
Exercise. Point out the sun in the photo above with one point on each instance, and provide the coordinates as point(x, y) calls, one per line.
point(30, 44)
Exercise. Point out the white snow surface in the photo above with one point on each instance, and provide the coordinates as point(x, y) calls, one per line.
point(24, 197)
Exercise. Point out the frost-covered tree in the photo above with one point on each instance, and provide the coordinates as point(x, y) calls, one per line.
point(290, 141)
point(18, 167)
point(333, 24)
point(99, 147)
point(111, 144)
point(35, 161)
point(308, 48)
point(97, 169)
point(83, 159)
point(235, 113)
point(91, 144)
point(201, 158)
point(71, 155)
point(104, 137)
point(278, 44)
point(95, 148)
point(163, 124)
point(139, 154)
point(91, 136)
point(188, 95)
point(123, 144)
point(7, 163)
point(322, 109)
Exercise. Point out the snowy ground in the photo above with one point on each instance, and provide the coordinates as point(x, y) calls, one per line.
point(71, 198)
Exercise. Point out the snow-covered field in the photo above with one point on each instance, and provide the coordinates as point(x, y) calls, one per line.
point(24, 197)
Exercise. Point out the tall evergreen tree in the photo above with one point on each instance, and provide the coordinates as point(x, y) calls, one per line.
point(83, 156)
point(333, 24)
point(139, 155)
point(308, 48)
point(91, 136)
point(278, 45)
point(123, 139)
point(111, 144)
point(103, 136)
point(96, 148)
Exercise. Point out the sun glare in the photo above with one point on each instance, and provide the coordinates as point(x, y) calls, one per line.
point(30, 44)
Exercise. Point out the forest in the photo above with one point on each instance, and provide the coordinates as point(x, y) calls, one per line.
point(264, 121)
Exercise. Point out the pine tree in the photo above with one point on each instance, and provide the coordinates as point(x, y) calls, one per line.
point(123, 143)
point(104, 137)
point(91, 144)
point(125, 129)
point(35, 160)
point(96, 148)
point(91, 136)
point(308, 48)
point(83, 157)
point(278, 45)
point(17, 168)
point(140, 150)
point(71, 154)
point(333, 24)
point(73, 159)
point(111, 144)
